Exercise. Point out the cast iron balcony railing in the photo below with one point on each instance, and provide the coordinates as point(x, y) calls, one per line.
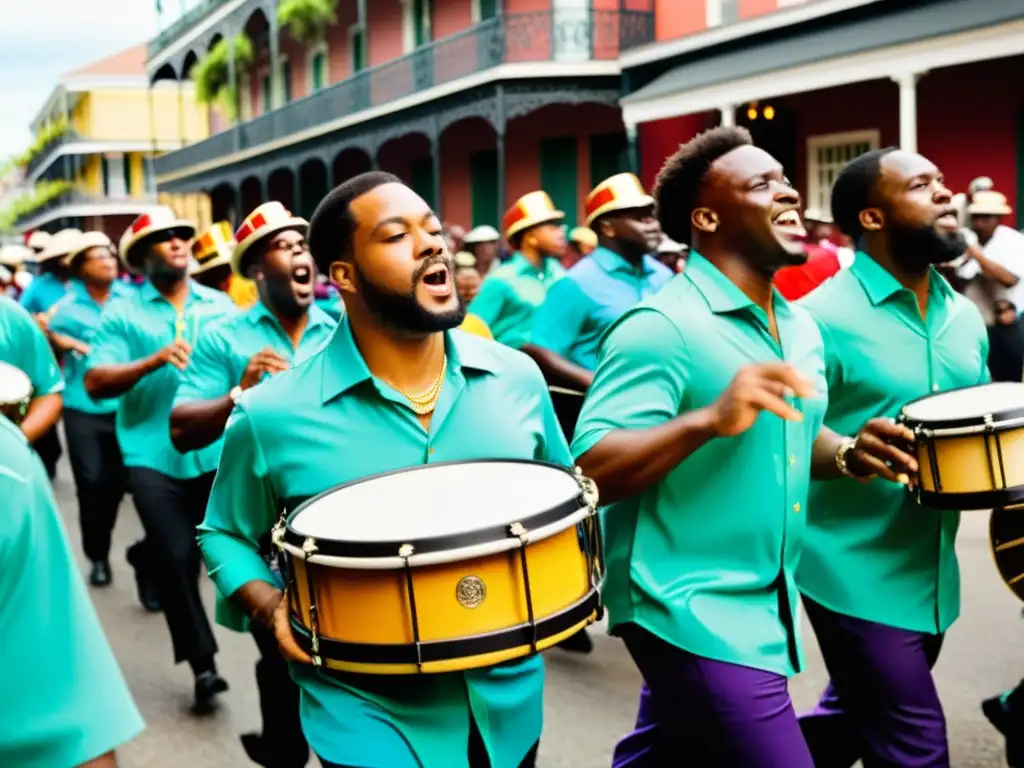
point(190, 18)
point(78, 197)
point(43, 156)
point(506, 39)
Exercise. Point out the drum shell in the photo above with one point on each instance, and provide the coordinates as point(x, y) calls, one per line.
point(975, 471)
point(371, 607)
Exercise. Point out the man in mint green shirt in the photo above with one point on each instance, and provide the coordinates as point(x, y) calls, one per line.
point(63, 700)
point(144, 343)
point(879, 573)
point(23, 345)
point(350, 412)
point(702, 429)
point(282, 330)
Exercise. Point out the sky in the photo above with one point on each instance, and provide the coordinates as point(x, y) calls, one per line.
point(42, 39)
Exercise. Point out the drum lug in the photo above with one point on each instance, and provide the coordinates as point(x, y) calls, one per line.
point(309, 547)
point(277, 534)
point(406, 551)
point(519, 531)
point(588, 488)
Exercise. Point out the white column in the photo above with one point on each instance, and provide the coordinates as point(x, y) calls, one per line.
point(728, 112)
point(907, 83)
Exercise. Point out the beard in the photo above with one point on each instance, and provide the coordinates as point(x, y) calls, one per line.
point(403, 310)
point(917, 248)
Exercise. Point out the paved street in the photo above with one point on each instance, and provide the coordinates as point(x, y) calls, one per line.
point(590, 700)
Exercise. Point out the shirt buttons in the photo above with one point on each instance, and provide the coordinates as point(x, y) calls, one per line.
point(935, 387)
point(796, 507)
point(792, 460)
point(432, 451)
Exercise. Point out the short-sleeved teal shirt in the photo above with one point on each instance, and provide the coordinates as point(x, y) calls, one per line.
point(510, 296)
point(42, 293)
point(135, 327)
point(330, 421)
point(871, 551)
point(79, 318)
point(705, 559)
point(23, 345)
point(63, 700)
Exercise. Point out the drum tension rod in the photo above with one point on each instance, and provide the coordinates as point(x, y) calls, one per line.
point(405, 552)
point(998, 483)
point(308, 549)
point(520, 532)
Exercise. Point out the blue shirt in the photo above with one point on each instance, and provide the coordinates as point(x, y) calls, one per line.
point(79, 318)
point(595, 293)
point(327, 422)
point(510, 295)
point(63, 699)
point(42, 293)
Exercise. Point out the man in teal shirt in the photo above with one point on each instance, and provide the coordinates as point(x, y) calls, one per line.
point(346, 414)
point(23, 345)
point(96, 462)
point(701, 430)
point(879, 574)
point(143, 344)
point(63, 700)
point(280, 331)
point(511, 294)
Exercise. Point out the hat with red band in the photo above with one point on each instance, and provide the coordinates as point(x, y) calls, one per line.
point(266, 220)
point(528, 211)
point(213, 248)
point(621, 192)
point(159, 219)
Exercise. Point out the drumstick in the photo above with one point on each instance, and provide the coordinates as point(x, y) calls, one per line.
point(564, 391)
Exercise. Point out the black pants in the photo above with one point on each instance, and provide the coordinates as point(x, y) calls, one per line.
point(170, 510)
point(282, 737)
point(100, 480)
point(49, 450)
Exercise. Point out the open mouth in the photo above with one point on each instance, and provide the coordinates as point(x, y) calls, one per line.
point(302, 275)
point(437, 280)
point(788, 222)
point(948, 220)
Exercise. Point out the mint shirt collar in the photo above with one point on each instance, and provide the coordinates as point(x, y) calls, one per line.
point(880, 285)
point(723, 296)
point(610, 261)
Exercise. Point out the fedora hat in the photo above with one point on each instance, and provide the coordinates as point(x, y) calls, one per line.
point(620, 192)
point(485, 233)
point(159, 219)
point(266, 220)
point(213, 248)
point(989, 203)
point(60, 245)
point(528, 211)
point(15, 255)
point(86, 241)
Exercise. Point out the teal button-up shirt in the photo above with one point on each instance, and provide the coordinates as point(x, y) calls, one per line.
point(510, 295)
point(704, 558)
point(63, 700)
point(138, 326)
point(871, 551)
point(329, 422)
point(42, 293)
point(79, 318)
point(595, 293)
point(23, 345)
point(223, 352)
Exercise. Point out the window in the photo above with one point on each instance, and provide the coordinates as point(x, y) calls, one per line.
point(318, 68)
point(826, 156)
point(286, 80)
point(267, 94)
point(357, 47)
point(148, 178)
point(482, 10)
point(416, 24)
point(113, 176)
point(127, 166)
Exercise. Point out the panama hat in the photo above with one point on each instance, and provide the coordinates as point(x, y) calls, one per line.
point(38, 240)
point(989, 203)
point(60, 245)
point(213, 248)
point(266, 220)
point(159, 219)
point(620, 192)
point(485, 233)
point(14, 255)
point(86, 241)
point(528, 211)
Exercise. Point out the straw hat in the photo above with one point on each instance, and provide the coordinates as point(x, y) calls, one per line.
point(85, 242)
point(989, 203)
point(213, 248)
point(529, 211)
point(268, 219)
point(15, 255)
point(583, 236)
point(60, 245)
point(620, 192)
point(159, 219)
point(482, 234)
point(38, 240)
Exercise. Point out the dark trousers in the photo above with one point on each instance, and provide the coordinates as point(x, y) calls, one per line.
point(881, 705)
point(170, 510)
point(282, 739)
point(100, 480)
point(710, 714)
point(49, 450)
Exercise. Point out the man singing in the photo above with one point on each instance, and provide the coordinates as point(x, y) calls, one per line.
point(701, 429)
point(395, 387)
point(879, 574)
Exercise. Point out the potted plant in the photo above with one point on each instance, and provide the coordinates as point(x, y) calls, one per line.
point(211, 74)
point(307, 20)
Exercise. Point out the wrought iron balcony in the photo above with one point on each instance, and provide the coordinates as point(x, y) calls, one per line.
point(506, 39)
point(42, 157)
point(190, 18)
point(74, 199)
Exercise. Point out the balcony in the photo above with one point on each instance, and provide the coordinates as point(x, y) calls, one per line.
point(42, 159)
point(76, 203)
point(187, 20)
point(520, 38)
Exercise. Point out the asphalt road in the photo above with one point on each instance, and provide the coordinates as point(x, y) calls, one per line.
point(590, 700)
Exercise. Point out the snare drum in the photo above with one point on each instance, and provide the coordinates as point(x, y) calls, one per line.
point(15, 392)
point(970, 446)
point(442, 567)
point(568, 404)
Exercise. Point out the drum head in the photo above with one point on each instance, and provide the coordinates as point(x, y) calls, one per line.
point(436, 506)
point(1006, 535)
point(15, 386)
point(969, 405)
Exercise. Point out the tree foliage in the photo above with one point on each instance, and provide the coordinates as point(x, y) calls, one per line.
point(306, 20)
point(211, 74)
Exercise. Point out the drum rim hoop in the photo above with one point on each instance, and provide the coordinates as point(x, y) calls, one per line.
point(973, 421)
point(390, 548)
point(972, 500)
point(22, 378)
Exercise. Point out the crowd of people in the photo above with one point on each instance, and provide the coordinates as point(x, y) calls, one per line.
point(724, 366)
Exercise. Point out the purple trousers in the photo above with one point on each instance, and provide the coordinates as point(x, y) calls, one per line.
point(881, 705)
point(703, 713)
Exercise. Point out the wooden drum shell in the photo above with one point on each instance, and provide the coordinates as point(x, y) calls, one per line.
point(976, 471)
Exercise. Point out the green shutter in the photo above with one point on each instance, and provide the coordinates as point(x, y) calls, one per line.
point(423, 179)
point(268, 102)
point(559, 176)
point(420, 16)
point(609, 154)
point(483, 181)
point(318, 64)
point(286, 80)
point(488, 9)
point(126, 161)
point(358, 50)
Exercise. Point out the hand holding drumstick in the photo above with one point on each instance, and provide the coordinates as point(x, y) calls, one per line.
point(884, 448)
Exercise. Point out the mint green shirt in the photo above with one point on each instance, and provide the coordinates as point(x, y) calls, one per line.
point(79, 318)
point(510, 296)
point(223, 352)
point(329, 422)
point(704, 558)
point(63, 700)
point(871, 551)
point(23, 345)
point(135, 327)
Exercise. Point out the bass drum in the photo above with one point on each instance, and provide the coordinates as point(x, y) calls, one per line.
point(1006, 536)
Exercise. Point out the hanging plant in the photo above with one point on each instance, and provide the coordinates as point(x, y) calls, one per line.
point(47, 133)
point(211, 74)
point(307, 20)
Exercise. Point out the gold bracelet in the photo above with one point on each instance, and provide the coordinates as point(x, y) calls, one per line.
point(847, 445)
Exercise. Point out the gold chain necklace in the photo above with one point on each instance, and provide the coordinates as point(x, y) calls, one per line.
point(426, 401)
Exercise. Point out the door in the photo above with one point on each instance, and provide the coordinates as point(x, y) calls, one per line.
point(609, 155)
point(559, 174)
point(483, 179)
